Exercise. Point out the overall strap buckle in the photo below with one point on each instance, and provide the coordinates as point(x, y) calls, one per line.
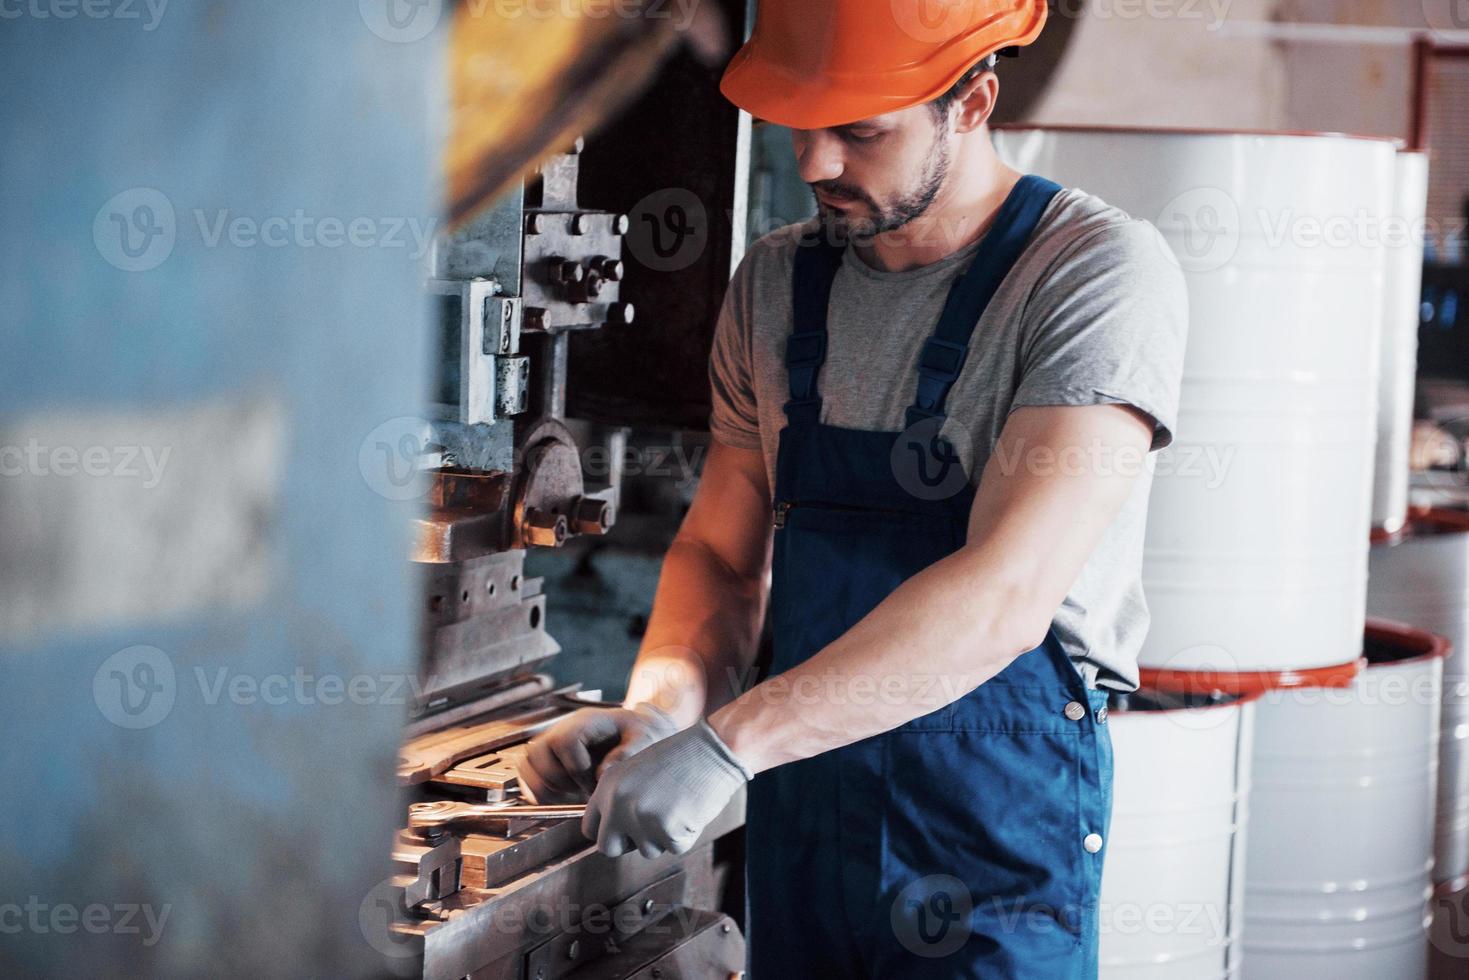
point(938, 369)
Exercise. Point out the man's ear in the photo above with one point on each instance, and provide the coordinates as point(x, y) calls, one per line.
point(975, 102)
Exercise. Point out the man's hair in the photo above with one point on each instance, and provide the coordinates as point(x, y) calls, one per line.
point(941, 104)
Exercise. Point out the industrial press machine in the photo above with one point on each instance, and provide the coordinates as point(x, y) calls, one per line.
point(489, 884)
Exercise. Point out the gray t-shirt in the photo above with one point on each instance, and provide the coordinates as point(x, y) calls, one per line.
point(1095, 311)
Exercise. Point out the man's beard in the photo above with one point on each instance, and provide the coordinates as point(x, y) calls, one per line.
point(842, 226)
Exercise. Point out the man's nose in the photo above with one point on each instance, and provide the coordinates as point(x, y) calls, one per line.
point(818, 155)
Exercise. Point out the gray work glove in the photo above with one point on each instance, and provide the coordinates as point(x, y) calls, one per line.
point(563, 762)
point(662, 798)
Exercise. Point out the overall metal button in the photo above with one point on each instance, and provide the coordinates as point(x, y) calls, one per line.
point(1102, 715)
point(1075, 711)
point(1092, 843)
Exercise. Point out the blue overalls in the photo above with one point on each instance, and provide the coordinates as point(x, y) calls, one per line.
point(968, 842)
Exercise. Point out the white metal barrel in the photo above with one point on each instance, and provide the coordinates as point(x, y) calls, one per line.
point(1402, 296)
point(1341, 837)
point(1172, 882)
point(1421, 577)
point(1255, 555)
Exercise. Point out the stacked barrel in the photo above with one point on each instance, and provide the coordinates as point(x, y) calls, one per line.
point(1256, 564)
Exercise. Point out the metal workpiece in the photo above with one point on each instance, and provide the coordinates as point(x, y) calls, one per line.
point(430, 870)
point(435, 818)
point(434, 753)
point(513, 889)
point(559, 917)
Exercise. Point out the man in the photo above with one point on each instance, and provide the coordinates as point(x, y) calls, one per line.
point(933, 406)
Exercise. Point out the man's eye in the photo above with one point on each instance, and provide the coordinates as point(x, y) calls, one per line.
point(864, 137)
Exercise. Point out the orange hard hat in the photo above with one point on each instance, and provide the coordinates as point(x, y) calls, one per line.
point(810, 64)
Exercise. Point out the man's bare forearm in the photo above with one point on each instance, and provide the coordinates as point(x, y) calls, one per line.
point(701, 635)
point(941, 634)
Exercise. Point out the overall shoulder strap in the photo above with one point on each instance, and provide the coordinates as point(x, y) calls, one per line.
point(816, 263)
point(944, 352)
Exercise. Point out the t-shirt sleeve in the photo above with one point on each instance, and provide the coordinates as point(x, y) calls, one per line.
point(1108, 325)
point(734, 419)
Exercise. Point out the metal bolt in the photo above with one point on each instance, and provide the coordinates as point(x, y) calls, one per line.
point(620, 224)
point(610, 269)
point(724, 927)
point(591, 516)
point(533, 224)
point(647, 906)
point(574, 950)
point(579, 145)
point(620, 312)
point(545, 530)
point(533, 318)
point(593, 285)
point(566, 270)
point(581, 224)
point(1074, 711)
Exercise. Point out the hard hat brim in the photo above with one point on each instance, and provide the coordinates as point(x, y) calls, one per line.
point(773, 93)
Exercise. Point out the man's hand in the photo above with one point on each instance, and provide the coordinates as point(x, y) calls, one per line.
point(562, 763)
point(662, 799)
